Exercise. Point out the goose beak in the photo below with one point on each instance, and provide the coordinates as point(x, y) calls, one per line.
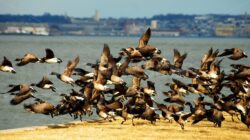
point(13, 71)
point(33, 90)
point(245, 55)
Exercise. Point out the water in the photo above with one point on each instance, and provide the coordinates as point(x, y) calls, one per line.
point(89, 49)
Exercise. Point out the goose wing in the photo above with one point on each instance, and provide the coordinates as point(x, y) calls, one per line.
point(143, 41)
point(6, 62)
point(49, 53)
point(71, 66)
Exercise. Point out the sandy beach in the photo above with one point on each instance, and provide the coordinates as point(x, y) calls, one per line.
point(101, 129)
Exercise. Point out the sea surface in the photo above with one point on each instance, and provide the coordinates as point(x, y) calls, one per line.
point(89, 50)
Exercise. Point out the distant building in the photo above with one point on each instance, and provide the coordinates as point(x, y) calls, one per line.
point(244, 30)
point(154, 24)
point(225, 30)
point(132, 29)
point(204, 17)
point(11, 30)
point(167, 33)
point(25, 28)
point(97, 16)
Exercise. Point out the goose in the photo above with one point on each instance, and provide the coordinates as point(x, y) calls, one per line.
point(245, 118)
point(40, 107)
point(85, 77)
point(178, 86)
point(136, 71)
point(175, 99)
point(215, 116)
point(6, 66)
point(153, 64)
point(181, 119)
point(45, 83)
point(50, 57)
point(143, 47)
point(165, 67)
point(25, 92)
point(167, 111)
point(236, 53)
point(178, 59)
point(100, 82)
point(117, 71)
point(150, 88)
point(66, 75)
point(103, 111)
point(125, 115)
point(227, 104)
point(134, 88)
point(133, 53)
point(207, 59)
point(149, 114)
point(82, 72)
point(105, 67)
point(27, 58)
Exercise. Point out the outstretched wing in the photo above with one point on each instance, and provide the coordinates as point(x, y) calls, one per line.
point(6, 62)
point(143, 41)
point(49, 53)
point(71, 66)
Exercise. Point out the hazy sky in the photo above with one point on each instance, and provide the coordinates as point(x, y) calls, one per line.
point(123, 8)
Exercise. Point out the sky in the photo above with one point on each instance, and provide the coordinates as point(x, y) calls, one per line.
point(123, 8)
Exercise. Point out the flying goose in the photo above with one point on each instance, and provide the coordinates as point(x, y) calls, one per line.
point(25, 92)
point(133, 53)
point(150, 88)
point(45, 83)
point(136, 71)
point(181, 119)
point(178, 59)
point(134, 88)
point(150, 114)
point(236, 53)
point(245, 118)
point(6, 66)
point(50, 57)
point(27, 58)
point(207, 59)
point(125, 115)
point(66, 75)
point(143, 47)
point(41, 107)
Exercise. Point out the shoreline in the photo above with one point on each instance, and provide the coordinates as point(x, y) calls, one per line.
point(105, 130)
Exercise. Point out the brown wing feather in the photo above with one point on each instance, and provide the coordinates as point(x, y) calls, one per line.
point(71, 66)
point(143, 41)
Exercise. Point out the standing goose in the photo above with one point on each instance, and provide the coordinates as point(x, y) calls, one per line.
point(45, 83)
point(50, 57)
point(66, 75)
point(27, 58)
point(236, 53)
point(6, 66)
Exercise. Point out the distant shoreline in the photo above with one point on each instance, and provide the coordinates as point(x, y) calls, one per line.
point(129, 36)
